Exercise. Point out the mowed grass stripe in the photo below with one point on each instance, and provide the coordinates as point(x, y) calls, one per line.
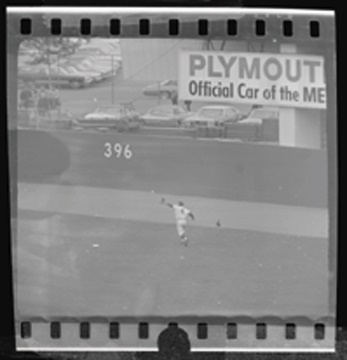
point(146, 207)
point(140, 268)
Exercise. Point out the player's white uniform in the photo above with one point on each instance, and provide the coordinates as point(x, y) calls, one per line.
point(181, 214)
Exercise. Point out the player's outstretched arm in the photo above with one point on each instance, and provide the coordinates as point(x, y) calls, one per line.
point(164, 202)
point(192, 216)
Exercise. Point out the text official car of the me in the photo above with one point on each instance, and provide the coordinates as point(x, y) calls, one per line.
point(286, 79)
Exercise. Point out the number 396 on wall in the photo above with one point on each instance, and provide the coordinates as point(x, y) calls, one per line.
point(118, 150)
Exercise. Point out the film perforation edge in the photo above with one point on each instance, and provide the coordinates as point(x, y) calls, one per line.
point(217, 29)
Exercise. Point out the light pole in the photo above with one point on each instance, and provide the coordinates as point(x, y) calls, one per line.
point(49, 76)
point(112, 82)
point(159, 90)
point(58, 89)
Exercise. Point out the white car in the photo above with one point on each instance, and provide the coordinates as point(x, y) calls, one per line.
point(163, 89)
point(95, 76)
point(263, 113)
point(165, 115)
point(214, 115)
point(106, 67)
point(261, 124)
point(120, 116)
point(43, 75)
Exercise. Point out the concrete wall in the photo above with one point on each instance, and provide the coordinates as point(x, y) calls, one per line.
point(301, 128)
point(235, 171)
point(309, 133)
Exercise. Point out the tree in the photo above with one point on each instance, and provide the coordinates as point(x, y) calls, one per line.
point(48, 49)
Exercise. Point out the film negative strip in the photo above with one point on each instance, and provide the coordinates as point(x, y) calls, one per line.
point(173, 171)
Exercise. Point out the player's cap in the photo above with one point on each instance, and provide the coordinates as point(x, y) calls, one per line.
point(181, 203)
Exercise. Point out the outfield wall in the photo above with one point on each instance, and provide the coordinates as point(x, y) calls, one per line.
point(209, 168)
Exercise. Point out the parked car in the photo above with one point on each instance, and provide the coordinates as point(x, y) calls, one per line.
point(261, 124)
point(121, 117)
point(95, 75)
point(213, 115)
point(165, 115)
point(76, 79)
point(163, 89)
point(42, 75)
point(107, 67)
point(262, 113)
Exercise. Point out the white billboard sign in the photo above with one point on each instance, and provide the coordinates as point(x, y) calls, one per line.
point(254, 78)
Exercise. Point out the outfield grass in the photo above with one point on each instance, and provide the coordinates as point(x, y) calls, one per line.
point(140, 268)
